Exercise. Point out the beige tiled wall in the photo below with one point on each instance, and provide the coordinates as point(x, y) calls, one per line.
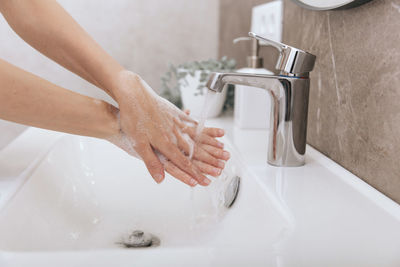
point(354, 112)
point(235, 21)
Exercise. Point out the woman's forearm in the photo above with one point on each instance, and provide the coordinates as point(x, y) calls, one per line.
point(28, 99)
point(47, 27)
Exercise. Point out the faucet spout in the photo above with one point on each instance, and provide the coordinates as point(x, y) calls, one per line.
point(218, 80)
point(289, 108)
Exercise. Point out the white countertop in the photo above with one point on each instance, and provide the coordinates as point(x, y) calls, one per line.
point(329, 208)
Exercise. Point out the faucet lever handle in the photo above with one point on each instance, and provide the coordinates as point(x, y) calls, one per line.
point(292, 61)
point(266, 42)
point(239, 39)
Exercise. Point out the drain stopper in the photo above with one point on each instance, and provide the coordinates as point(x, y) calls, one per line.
point(231, 191)
point(138, 239)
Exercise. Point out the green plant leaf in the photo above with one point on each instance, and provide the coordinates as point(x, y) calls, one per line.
point(176, 76)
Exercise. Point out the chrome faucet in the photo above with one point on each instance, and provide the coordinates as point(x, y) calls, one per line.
point(289, 106)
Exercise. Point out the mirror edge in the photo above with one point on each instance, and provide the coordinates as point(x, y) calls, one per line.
point(353, 4)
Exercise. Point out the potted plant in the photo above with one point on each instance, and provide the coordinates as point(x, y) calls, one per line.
point(184, 85)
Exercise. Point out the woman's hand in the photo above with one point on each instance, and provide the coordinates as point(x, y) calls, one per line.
point(150, 127)
point(163, 136)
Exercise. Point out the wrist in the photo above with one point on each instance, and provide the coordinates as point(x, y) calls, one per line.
point(107, 124)
point(107, 78)
point(124, 84)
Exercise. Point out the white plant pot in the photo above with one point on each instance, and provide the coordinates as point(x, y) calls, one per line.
point(194, 99)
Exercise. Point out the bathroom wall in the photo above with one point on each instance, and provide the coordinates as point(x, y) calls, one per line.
point(354, 112)
point(235, 21)
point(144, 36)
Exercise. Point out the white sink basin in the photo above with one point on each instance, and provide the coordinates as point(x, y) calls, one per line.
point(86, 194)
point(75, 203)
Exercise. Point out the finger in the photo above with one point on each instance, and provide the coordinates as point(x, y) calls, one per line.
point(203, 138)
point(187, 111)
point(206, 139)
point(213, 132)
point(186, 144)
point(216, 152)
point(208, 169)
point(172, 152)
point(186, 118)
point(179, 174)
point(152, 162)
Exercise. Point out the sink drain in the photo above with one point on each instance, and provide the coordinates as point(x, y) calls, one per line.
point(139, 239)
point(231, 191)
